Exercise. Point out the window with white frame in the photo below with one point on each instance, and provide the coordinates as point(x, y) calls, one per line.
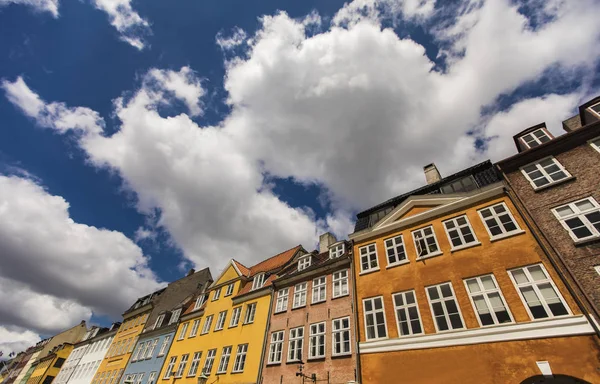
point(152, 377)
point(299, 295)
point(444, 307)
point(182, 364)
point(209, 361)
point(235, 317)
point(140, 376)
point(425, 242)
point(194, 364)
point(207, 324)
point(217, 294)
point(580, 218)
point(316, 341)
point(340, 283)
point(394, 249)
point(259, 281)
point(183, 331)
point(488, 302)
point(595, 143)
point(368, 258)
point(535, 138)
point(199, 301)
point(336, 250)
point(545, 172)
point(159, 321)
point(340, 329)
point(240, 358)
point(282, 300)
point(276, 347)
point(319, 289)
point(146, 346)
point(136, 354)
point(538, 292)
point(225, 355)
point(220, 320)
point(250, 312)
point(229, 290)
point(460, 233)
point(595, 109)
point(408, 317)
point(195, 326)
point(164, 346)
point(375, 323)
point(296, 343)
point(151, 349)
point(175, 316)
point(170, 367)
point(499, 221)
point(304, 262)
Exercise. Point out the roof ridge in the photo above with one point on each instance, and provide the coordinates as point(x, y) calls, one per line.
point(279, 254)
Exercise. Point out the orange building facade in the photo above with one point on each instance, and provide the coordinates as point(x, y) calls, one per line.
point(452, 287)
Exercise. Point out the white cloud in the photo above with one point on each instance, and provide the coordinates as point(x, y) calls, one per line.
point(38, 5)
point(16, 340)
point(237, 38)
point(126, 20)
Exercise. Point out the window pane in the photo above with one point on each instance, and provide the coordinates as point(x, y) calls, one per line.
point(488, 282)
point(584, 205)
point(537, 273)
point(433, 294)
point(534, 304)
point(446, 291)
point(473, 286)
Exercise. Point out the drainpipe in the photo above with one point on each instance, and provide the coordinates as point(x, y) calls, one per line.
point(358, 375)
point(262, 353)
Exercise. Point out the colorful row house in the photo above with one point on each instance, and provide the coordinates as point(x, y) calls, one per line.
point(48, 367)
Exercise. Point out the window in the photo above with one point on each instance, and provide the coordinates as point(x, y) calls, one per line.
point(535, 138)
point(225, 354)
point(336, 251)
point(295, 344)
point(170, 367)
point(140, 376)
point(597, 268)
point(210, 359)
point(595, 143)
point(394, 249)
point(250, 312)
point(368, 258)
point(595, 109)
point(240, 358)
point(217, 294)
point(407, 313)
point(465, 184)
point(165, 344)
point(146, 346)
point(182, 365)
point(195, 326)
point(207, 324)
point(459, 232)
point(341, 336)
point(276, 347)
point(220, 320)
point(299, 295)
point(340, 283)
point(259, 281)
point(376, 327)
point(194, 366)
point(316, 342)
point(229, 290)
point(151, 349)
point(151, 378)
point(538, 292)
point(580, 218)
point(199, 301)
point(183, 331)
point(545, 172)
point(319, 289)
point(175, 316)
point(235, 316)
point(425, 242)
point(303, 263)
point(444, 307)
point(159, 321)
point(282, 300)
point(487, 300)
point(59, 362)
point(498, 220)
point(136, 354)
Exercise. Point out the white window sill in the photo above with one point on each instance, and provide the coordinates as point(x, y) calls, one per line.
point(452, 329)
point(587, 240)
point(378, 339)
point(299, 306)
point(552, 184)
point(434, 254)
point(282, 311)
point(316, 357)
point(293, 361)
point(318, 302)
point(341, 354)
point(506, 235)
point(369, 271)
point(274, 363)
point(464, 246)
point(403, 262)
point(338, 296)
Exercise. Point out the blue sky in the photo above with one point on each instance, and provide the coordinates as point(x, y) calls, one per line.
point(138, 142)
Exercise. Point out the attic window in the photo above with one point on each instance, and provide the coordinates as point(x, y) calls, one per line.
point(595, 109)
point(535, 138)
point(259, 281)
point(159, 321)
point(336, 251)
point(175, 316)
point(465, 184)
point(199, 301)
point(304, 263)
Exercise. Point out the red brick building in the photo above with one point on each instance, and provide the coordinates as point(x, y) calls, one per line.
point(311, 330)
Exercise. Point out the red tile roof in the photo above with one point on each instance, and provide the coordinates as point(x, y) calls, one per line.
point(242, 268)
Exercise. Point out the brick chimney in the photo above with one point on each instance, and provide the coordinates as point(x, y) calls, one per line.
point(432, 175)
point(325, 240)
point(191, 272)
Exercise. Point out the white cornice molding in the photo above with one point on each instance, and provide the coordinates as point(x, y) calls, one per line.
point(564, 326)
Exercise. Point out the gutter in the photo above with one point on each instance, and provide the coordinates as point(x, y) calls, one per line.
point(358, 375)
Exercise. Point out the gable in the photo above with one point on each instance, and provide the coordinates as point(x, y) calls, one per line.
point(416, 210)
point(228, 274)
point(413, 206)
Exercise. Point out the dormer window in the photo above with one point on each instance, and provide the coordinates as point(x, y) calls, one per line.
point(175, 316)
point(535, 138)
point(199, 301)
point(259, 281)
point(159, 321)
point(304, 263)
point(595, 109)
point(336, 251)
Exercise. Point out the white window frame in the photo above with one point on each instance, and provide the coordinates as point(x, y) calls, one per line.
point(304, 262)
point(199, 302)
point(194, 364)
point(485, 292)
point(207, 324)
point(337, 250)
point(224, 361)
point(136, 354)
point(294, 341)
point(317, 339)
point(299, 293)
point(183, 331)
point(240, 358)
point(258, 281)
point(340, 329)
point(151, 377)
point(319, 288)
point(406, 308)
point(393, 244)
point(163, 347)
point(217, 294)
point(159, 321)
point(229, 290)
point(170, 367)
point(211, 354)
point(220, 323)
point(195, 326)
point(140, 376)
point(340, 278)
point(545, 173)
point(595, 143)
point(374, 313)
point(282, 300)
point(182, 364)
point(175, 316)
point(250, 313)
point(236, 313)
point(418, 248)
point(276, 347)
point(461, 235)
point(535, 138)
point(592, 111)
point(581, 215)
point(370, 254)
point(152, 348)
point(442, 300)
point(496, 216)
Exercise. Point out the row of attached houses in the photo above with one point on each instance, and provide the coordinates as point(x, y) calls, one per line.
point(489, 275)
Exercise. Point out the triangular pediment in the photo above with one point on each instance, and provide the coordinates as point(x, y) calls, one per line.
point(230, 272)
point(414, 206)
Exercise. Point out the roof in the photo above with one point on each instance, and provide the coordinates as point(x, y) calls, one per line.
point(318, 260)
point(242, 268)
point(583, 107)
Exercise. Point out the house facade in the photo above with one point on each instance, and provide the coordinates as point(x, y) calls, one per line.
point(555, 180)
point(452, 286)
point(47, 368)
point(311, 330)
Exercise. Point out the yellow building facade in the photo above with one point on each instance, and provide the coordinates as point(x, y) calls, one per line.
point(222, 333)
point(48, 367)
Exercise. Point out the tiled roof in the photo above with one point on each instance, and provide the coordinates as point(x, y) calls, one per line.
point(243, 269)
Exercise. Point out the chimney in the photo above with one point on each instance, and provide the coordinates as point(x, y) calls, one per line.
point(325, 240)
point(191, 272)
point(432, 175)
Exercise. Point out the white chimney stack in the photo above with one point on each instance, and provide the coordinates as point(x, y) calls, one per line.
point(325, 240)
point(432, 175)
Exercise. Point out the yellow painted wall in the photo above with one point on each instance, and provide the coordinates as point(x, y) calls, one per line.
point(46, 368)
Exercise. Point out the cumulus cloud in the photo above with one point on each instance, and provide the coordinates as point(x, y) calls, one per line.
point(16, 340)
point(131, 26)
point(38, 5)
point(236, 39)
